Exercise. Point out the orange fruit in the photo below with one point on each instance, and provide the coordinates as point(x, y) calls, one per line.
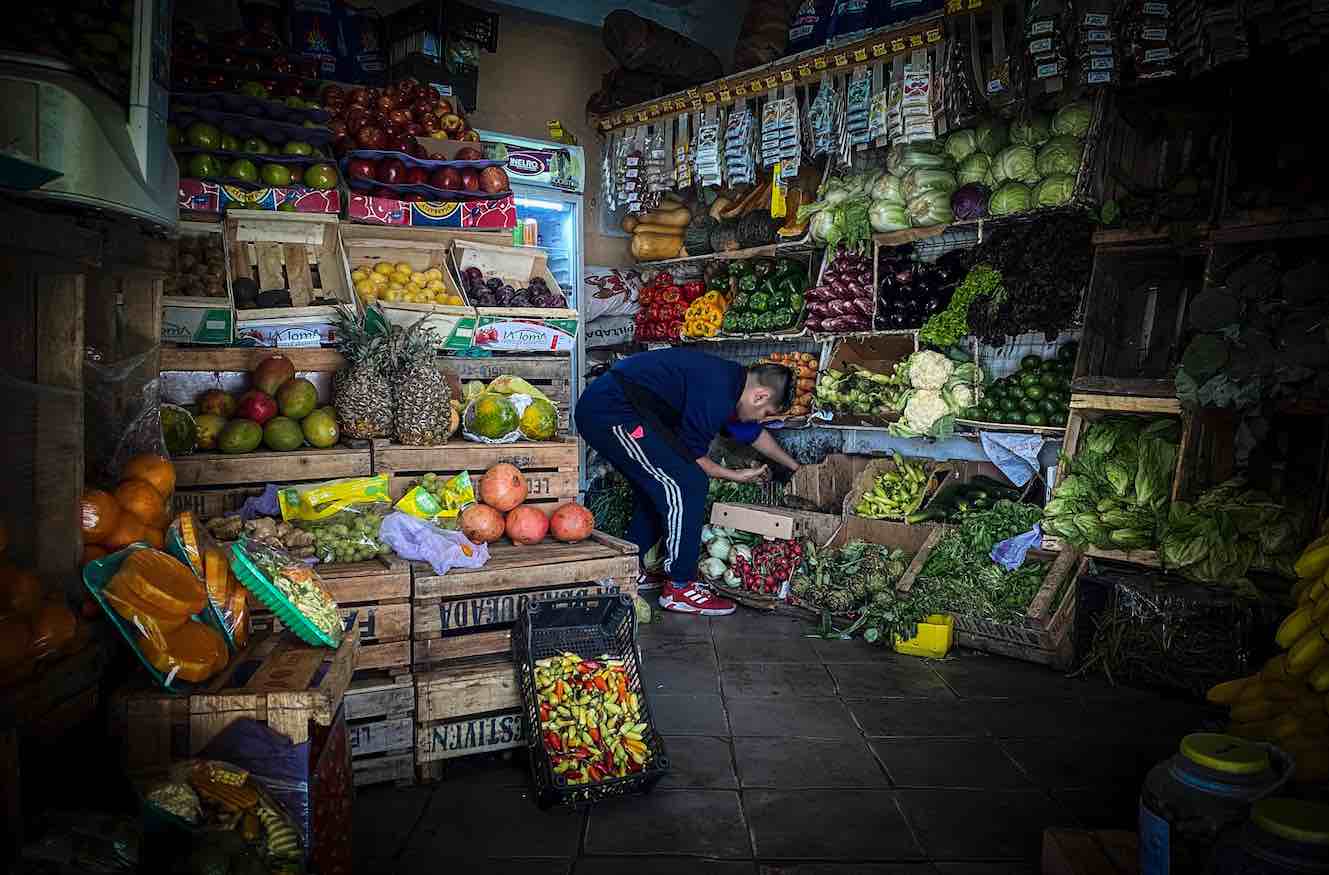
point(20, 590)
point(127, 531)
point(92, 552)
point(98, 513)
point(154, 469)
point(142, 499)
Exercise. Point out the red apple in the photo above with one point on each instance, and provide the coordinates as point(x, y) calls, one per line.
point(257, 406)
point(446, 177)
point(391, 171)
point(333, 94)
point(407, 86)
point(453, 123)
point(443, 106)
point(338, 127)
point(356, 118)
point(370, 137)
point(399, 116)
point(362, 168)
point(493, 180)
point(402, 143)
point(416, 176)
point(469, 153)
point(359, 97)
point(431, 124)
point(415, 129)
point(470, 180)
point(385, 103)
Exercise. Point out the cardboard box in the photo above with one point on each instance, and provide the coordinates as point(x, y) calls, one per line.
point(828, 482)
point(295, 331)
point(877, 354)
point(210, 197)
point(776, 522)
point(524, 334)
point(515, 329)
point(495, 215)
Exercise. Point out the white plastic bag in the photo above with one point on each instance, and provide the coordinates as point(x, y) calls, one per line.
point(414, 539)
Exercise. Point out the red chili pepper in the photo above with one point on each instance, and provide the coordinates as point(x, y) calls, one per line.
point(670, 294)
point(552, 740)
point(601, 685)
point(589, 665)
point(663, 278)
point(572, 775)
point(594, 773)
point(584, 752)
point(544, 712)
point(595, 735)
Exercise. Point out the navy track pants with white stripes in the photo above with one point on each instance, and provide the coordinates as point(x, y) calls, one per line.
point(670, 491)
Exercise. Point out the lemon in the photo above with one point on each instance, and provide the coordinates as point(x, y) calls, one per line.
point(359, 274)
point(419, 277)
point(435, 286)
point(434, 274)
point(383, 267)
point(403, 267)
point(394, 295)
point(379, 279)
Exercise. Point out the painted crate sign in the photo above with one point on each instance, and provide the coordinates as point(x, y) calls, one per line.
point(449, 739)
point(473, 612)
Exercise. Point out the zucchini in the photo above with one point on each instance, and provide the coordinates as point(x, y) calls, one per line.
point(932, 514)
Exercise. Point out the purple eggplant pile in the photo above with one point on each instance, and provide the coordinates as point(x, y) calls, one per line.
point(842, 303)
point(910, 291)
point(494, 292)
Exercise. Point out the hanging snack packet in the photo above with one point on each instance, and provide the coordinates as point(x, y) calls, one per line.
point(226, 610)
point(433, 499)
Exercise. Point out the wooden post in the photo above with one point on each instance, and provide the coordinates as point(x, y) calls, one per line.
point(58, 459)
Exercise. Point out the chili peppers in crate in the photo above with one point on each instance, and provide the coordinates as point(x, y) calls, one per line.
point(587, 719)
point(662, 303)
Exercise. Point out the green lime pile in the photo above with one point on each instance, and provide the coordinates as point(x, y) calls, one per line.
point(1037, 394)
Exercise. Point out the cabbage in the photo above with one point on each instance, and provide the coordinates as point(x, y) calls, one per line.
point(1060, 155)
point(970, 201)
point(1054, 191)
point(976, 168)
point(901, 159)
point(719, 548)
point(924, 179)
point(712, 568)
point(961, 144)
point(992, 136)
point(1073, 119)
point(887, 189)
point(1018, 163)
point(822, 225)
point(1031, 131)
point(931, 208)
point(887, 216)
point(1013, 197)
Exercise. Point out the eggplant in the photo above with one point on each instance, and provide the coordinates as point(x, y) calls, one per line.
point(905, 276)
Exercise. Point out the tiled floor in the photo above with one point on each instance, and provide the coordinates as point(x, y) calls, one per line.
point(796, 756)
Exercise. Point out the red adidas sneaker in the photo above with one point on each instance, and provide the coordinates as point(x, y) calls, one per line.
point(693, 598)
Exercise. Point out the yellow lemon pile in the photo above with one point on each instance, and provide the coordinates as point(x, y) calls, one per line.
point(401, 283)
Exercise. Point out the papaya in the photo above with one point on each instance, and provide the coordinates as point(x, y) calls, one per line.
point(162, 582)
point(195, 651)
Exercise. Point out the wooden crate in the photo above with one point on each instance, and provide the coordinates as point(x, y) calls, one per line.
point(551, 373)
point(468, 613)
point(551, 467)
point(939, 473)
point(466, 710)
point(182, 314)
point(265, 466)
point(1044, 636)
point(517, 266)
point(877, 354)
point(422, 248)
point(277, 680)
point(1088, 408)
point(380, 724)
point(379, 593)
point(300, 252)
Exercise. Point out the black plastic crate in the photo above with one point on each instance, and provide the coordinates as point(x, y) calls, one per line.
point(590, 627)
point(475, 25)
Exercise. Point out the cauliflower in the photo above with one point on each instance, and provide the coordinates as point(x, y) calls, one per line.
point(922, 411)
point(962, 397)
point(929, 370)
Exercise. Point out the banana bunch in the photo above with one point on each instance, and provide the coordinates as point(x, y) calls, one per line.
point(1287, 702)
point(896, 493)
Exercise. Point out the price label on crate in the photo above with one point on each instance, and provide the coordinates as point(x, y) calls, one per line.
point(841, 60)
point(916, 40)
point(897, 45)
point(819, 62)
point(934, 35)
point(878, 49)
point(804, 71)
point(860, 54)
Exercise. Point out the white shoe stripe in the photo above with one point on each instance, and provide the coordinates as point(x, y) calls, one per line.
point(673, 496)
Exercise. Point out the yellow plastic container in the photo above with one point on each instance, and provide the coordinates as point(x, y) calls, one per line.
point(935, 636)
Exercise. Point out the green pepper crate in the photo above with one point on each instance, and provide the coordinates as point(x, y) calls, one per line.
point(761, 289)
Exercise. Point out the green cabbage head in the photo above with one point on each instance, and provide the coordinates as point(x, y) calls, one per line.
point(1061, 154)
point(1016, 163)
point(1012, 197)
point(1054, 191)
point(1073, 119)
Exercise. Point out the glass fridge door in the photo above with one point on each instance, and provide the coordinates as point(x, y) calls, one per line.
point(558, 232)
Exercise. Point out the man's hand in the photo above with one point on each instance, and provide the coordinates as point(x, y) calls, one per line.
point(749, 475)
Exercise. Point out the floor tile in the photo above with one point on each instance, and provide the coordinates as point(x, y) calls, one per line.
point(828, 825)
point(976, 675)
point(978, 763)
point(894, 679)
point(1052, 719)
point(934, 718)
point(704, 823)
point(460, 825)
point(750, 624)
point(784, 718)
point(764, 648)
point(794, 679)
point(662, 866)
point(981, 824)
point(506, 769)
point(384, 819)
point(688, 715)
point(676, 666)
point(791, 763)
point(673, 626)
point(847, 869)
point(853, 650)
point(1067, 763)
point(700, 762)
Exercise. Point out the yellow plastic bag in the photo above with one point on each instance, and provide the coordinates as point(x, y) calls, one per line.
point(317, 501)
point(434, 499)
point(510, 385)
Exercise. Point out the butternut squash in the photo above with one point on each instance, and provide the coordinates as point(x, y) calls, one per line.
point(630, 222)
point(650, 246)
point(654, 228)
point(677, 217)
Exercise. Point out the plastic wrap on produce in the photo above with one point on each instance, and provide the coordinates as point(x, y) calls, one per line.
point(1151, 629)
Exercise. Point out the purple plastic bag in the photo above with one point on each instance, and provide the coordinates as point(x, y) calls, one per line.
point(272, 759)
point(413, 538)
point(1009, 554)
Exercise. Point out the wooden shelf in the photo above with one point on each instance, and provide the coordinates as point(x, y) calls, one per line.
point(1125, 404)
point(265, 466)
point(792, 247)
point(1134, 388)
point(239, 358)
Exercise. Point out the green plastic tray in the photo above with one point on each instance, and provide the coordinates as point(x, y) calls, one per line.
point(211, 614)
point(257, 582)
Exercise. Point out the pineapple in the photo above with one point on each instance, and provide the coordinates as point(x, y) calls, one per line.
point(421, 401)
point(360, 391)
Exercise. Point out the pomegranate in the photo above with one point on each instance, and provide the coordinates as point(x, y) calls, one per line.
point(359, 97)
point(447, 178)
point(416, 176)
point(270, 373)
point(481, 524)
point(256, 406)
point(399, 117)
point(526, 525)
point(391, 171)
point(469, 153)
point(503, 487)
point(370, 137)
point(386, 103)
point(571, 522)
point(470, 180)
point(493, 180)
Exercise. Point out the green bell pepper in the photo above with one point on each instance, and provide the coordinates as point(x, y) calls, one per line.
point(763, 267)
point(739, 268)
point(730, 321)
point(796, 302)
point(785, 266)
point(782, 319)
point(766, 321)
point(747, 322)
point(747, 282)
point(740, 302)
point(759, 302)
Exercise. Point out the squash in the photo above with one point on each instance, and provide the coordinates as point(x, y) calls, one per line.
point(630, 222)
point(721, 204)
point(724, 237)
point(697, 237)
point(756, 229)
point(649, 246)
point(665, 230)
point(678, 217)
point(793, 228)
point(758, 196)
point(196, 650)
point(162, 582)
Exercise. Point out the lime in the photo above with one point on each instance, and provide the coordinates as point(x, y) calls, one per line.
point(242, 168)
point(1049, 406)
point(321, 177)
point(276, 175)
point(253, 89)
point(1009, 405)
point(1068, 351)
point(1050, 366)
point(204, 166)
point(1035, 418)
point(295, 147)
point(1035, 392)
point(1029, 378)
point(203, 135)
point(256, 146)
point(1030, 362)
point(229, 143)
point(1049, 381)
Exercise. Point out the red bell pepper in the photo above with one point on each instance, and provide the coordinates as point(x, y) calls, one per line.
point(672, 294)
point(663, 278)
point(693, 290)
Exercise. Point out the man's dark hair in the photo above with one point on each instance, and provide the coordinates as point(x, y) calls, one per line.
point(779, 379)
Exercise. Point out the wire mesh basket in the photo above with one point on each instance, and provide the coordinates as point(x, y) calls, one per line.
point(590, 627)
